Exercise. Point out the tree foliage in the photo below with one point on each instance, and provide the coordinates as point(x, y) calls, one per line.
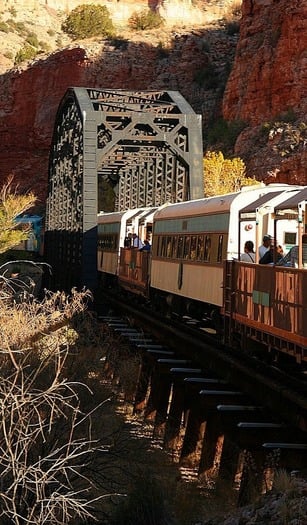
point(11, 205)
point(223, 175)
point(87, 21)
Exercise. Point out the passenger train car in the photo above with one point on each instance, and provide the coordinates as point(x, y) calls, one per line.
point(194, 266)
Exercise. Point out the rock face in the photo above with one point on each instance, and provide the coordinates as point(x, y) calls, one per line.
point(28, 104)
point(30, 97)
point(268, 83)
point(267, 89)
point(269, 75)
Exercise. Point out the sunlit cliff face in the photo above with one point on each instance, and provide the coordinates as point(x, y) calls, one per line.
point(174, 11)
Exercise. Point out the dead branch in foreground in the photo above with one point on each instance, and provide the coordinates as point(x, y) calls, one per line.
point(47, 445)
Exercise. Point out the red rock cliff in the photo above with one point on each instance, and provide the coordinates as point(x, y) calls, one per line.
point(268, 83)
point(30, 97)
point(268, 78)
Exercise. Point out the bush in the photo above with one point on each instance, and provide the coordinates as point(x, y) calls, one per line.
point(44, 46)
point(50, 445)
point(223, 175)
point(13, 11)
point(21, 28)
point(27, 52)
point(4, 27)
point(232, 27)
point(9, 55)
point(146, 19)
point(32, 40)
point(87, 21)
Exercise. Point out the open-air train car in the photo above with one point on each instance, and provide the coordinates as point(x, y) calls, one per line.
point(266, 306)
point(258, 218)
point(134, 266)
point(113, 230)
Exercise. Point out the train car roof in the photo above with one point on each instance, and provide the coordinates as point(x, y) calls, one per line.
point(118, 216)
point(217, 204)
point(195, 207)
point(108, 218)
point(292, 202)
point(267, 200)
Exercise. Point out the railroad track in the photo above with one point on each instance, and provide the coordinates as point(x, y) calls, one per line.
point(202, 397)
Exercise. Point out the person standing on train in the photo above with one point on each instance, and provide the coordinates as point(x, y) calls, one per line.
point(291, 258)
point(146, 246)
point(273, 255)
point(127, 241)
point(249, 254)
point(265, 246)
point(136, 241)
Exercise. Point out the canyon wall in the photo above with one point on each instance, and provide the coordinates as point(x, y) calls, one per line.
point(175, 11)
point(267, 79)
point(268, 85)
point(29, 97)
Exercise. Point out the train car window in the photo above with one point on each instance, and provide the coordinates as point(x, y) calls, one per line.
point(155, 245)
point(180, 247)
point(164, 246)
point(220, 249)
point(174, 247)
point(115, 241)
point(108, 242)
point(290, 238)
point(200, 248)
point(207, 254)
point(186, 250)
point(169, 247)
point(193, 247)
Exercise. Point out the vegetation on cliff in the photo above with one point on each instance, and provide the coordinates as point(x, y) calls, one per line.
point(88, 21)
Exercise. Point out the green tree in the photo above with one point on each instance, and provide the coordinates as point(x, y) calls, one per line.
point(224, 175)
point(11, 205)
point(87, 21)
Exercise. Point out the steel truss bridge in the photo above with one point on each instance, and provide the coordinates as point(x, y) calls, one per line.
point(144, 146)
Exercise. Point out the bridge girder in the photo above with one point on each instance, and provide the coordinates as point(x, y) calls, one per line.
point(146, 145)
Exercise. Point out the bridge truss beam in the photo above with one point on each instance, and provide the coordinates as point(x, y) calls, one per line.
point(146, 145)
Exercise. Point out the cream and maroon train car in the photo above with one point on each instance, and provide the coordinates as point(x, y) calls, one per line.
point(111, 234)
point(117, 261)
point(134, 267)
point(265, 306)
point(191, 241)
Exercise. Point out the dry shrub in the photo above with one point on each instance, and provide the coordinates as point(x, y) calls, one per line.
point(234, 10)
point(52, 457)
point(285, 482)
point(21, 324)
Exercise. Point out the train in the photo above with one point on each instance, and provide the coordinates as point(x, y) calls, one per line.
point(194, 269)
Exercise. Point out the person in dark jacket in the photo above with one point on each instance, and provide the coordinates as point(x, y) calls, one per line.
point(273, 255)
point(146, 246)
